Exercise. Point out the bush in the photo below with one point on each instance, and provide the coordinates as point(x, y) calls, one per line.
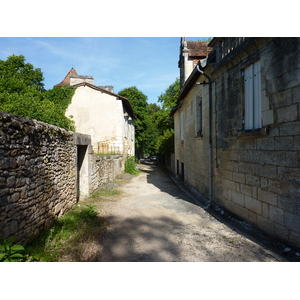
point(130, 165)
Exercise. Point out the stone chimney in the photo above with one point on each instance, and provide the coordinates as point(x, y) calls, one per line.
point(75, 79)
point(109, 88)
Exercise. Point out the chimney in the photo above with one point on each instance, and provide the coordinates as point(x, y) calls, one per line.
point(75, 79)
point(109, 88)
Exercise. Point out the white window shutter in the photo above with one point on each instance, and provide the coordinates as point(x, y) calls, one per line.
point(257, 95)
point(182, 125)
point(248, 83)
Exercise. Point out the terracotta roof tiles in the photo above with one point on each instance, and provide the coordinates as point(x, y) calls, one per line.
point(66, 80)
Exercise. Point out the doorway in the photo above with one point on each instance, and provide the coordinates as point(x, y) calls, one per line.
point(82, 172)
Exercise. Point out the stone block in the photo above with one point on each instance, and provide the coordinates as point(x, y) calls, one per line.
point(252, 217)
point(238, 198)
point(266, 225)
point(265, 143)
point(287, 114)
point(292, 222)
point(253, 205)
point(252, 180)
point(246, 189)
point(267, 117)
point(238, 177)
point(296, 94)
point(284, 143)
point(291, 159)
point(276, 214)
point(265, 210)
point(291, 128)
point(267, 197)
point(281, 232)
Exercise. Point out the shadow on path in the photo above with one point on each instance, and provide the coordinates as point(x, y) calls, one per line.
point(232, 221)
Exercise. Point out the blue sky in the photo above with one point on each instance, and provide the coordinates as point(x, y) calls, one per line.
point(149, 63)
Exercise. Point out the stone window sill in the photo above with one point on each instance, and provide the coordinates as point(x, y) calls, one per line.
point(253, 132)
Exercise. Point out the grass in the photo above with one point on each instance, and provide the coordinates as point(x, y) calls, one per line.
point(106, 154)
point(131, 166)
point(67, 238)
point(105, 193)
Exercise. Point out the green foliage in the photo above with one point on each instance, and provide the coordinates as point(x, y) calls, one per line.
point(165, 143)
point(170, 96)
point(168, 100)
point(163, 121)
point(153, 120)
point(138, 101)
point(10, 253)
point(105, 193)
point(208, 40)
point(16, 75)
point(22, 93)
point(89, 212)
point(130, 165)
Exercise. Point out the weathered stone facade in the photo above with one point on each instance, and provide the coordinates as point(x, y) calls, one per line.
point(38, 175)
point(97, 111)
point(105, 169)
point(256, 172)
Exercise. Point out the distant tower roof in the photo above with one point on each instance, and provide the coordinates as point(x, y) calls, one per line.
point(190, 53)
point(66, 80)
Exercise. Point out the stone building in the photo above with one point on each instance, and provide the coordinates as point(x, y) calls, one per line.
point(190, 54)
point(107, 117)
point(237, 131)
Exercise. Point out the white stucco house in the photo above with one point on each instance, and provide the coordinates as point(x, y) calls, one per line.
point(107, 117)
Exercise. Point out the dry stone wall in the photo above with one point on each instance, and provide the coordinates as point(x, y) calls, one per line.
point(37, 176)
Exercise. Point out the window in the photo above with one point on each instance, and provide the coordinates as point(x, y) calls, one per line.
point(182, 126)
point(252, 83)
point(198, 110)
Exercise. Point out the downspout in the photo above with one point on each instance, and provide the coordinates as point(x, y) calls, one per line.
point(210, 81)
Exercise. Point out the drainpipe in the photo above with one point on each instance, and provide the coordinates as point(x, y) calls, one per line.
point(210, 81)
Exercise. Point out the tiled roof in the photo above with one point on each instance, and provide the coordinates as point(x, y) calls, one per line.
point(198, 48)
point(66, 80)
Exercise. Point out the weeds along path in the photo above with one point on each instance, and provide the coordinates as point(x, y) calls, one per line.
point(152, 220)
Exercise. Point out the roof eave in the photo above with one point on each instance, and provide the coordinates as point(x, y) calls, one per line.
point(124, 100)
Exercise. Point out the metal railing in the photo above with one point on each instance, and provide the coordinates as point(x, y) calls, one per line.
point(229, 44)
point(107, 149)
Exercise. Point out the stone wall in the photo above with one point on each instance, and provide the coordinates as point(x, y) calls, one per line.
point(38, 175)
point(257, 172)
point(105, 169)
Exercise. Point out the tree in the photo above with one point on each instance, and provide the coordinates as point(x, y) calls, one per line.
point(17, 76)
point(165, 143)
point(138, 101)
point(22, 93)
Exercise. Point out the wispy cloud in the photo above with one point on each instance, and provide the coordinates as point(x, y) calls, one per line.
point(148, 63)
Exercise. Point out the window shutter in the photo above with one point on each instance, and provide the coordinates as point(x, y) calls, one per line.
point(256, 96)
point(182, 125)
point(248, 83)
point(198, 110)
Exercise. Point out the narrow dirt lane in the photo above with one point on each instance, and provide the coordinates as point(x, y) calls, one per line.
point(154, 221)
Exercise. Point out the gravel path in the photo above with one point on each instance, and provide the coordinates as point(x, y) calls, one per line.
point(155, 221)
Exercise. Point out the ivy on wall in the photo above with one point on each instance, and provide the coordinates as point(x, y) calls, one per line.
point(22, 93)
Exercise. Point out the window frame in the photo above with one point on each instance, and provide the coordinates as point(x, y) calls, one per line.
point(252, 97)
point(199, 116)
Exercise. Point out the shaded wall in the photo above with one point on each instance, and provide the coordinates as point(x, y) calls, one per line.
point(38, 175)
